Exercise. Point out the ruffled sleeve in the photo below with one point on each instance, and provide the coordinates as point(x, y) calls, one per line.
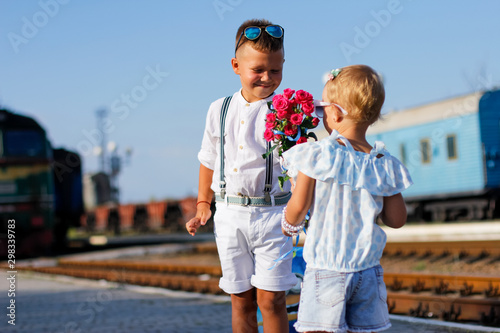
point(327, 160)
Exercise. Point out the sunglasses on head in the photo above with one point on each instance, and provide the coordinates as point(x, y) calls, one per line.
point(252, 33)
point(319, 108)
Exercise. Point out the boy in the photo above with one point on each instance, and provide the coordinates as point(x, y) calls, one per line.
point(248, 198)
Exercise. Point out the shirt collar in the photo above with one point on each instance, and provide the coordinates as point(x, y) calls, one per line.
point(243, 101)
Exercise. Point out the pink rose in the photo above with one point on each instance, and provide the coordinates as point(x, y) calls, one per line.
point(302, 139)
point(290, 130)
point(303, 96)
point(308, 108)
point(296, 119)
point(268, 135)
point(282, 114)
point(269, 126)
point(271, 117)
point(315, 121)
point(288, 93)
point(280, 103)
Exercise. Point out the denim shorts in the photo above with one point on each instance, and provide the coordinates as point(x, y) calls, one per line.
point(339, 302)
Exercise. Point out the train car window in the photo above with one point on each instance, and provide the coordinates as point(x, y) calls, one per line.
point(425, 149)
point(451, 146)
point(24, 143)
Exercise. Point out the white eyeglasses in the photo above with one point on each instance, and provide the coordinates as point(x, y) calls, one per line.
point(319, 108)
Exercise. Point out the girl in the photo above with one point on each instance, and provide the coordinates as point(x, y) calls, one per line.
point(347, 184)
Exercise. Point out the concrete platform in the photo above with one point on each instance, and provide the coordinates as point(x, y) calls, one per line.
point(470, 231)
point(59, 304)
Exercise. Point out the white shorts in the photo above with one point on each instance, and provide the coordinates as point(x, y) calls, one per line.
point(249, 239)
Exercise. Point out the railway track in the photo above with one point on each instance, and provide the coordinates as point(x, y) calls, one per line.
point(465, 295)
point(451, 297)
point(447, 297)
point(203, 283)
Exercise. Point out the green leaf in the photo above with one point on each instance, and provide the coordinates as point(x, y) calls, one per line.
point(312, 135)
point(264, 156)
point(282, 181)
point(307, 122)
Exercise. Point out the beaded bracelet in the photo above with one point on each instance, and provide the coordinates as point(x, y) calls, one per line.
point(289, 228)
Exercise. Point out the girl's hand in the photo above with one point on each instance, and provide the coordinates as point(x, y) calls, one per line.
point(285, 233)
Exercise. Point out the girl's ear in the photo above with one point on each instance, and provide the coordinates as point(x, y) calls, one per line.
point(337, 115)
point(235, 65)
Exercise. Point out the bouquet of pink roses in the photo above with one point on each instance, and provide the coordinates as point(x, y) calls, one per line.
point(289, 120)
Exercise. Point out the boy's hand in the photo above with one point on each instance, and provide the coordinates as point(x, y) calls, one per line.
point(205, 195)
point(193, 225)
point(201, 218)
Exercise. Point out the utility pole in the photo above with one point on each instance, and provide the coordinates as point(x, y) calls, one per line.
point(101, 115)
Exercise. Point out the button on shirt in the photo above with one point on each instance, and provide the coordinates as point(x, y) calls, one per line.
point(245, 169)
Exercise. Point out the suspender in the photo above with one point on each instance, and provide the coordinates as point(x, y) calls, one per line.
point(223, 113)
point(269, 159)
point(269, 174)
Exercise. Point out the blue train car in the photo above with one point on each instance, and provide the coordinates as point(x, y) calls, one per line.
point(452, 150)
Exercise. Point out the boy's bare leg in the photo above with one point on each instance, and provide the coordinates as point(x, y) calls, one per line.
point(244, 308)
point(272, 305)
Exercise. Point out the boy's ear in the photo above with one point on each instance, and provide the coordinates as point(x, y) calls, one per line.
point(235, 65)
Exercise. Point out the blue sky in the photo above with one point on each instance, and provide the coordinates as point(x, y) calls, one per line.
point(157, 65)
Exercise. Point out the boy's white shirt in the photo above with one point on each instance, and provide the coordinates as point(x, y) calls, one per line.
point(245, 169)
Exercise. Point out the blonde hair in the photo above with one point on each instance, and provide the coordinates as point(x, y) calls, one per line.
point(359, 90)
